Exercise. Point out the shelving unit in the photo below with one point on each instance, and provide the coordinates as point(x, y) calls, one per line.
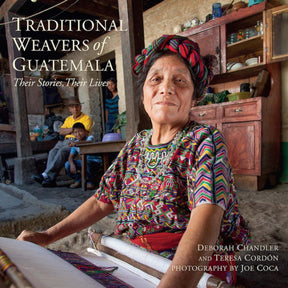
point(242, 73)
point(253, 45)
point(251, 127)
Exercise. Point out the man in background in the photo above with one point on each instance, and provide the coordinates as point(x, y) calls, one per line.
point(59, 154)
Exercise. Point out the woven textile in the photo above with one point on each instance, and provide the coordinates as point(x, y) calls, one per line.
point(100, 274)
point(199, 173)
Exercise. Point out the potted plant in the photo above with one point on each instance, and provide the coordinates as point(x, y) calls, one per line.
point(120, 124)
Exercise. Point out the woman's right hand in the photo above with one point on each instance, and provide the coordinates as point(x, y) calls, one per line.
point(40, 238)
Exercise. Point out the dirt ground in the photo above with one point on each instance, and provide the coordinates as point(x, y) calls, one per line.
point(266, 212)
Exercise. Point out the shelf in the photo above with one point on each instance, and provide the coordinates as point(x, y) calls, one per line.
point(249, 45)
point(7, 127)
point(245, 68)
point(235, 16)
point(244, 23)
point(244, 72)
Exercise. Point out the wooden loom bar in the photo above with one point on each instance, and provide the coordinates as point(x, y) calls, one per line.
point(212, 282)
point(12, 273)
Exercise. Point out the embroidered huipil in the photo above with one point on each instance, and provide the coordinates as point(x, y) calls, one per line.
point(198, 173)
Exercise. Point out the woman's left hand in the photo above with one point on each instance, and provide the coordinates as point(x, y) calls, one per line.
point(39, 238)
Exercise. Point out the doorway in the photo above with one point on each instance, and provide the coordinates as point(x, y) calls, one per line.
point(107, 74)
point(97, 94)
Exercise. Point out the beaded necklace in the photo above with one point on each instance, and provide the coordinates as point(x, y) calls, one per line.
point(159, 177)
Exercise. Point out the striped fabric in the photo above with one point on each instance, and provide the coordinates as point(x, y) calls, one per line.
point(198, 174)
point(102, 275)
point(112, 106)
point(182, 46)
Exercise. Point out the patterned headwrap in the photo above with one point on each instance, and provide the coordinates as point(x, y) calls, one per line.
point(183, 46)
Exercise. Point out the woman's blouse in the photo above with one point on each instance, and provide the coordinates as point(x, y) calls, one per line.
point(112, 106)
point(198, 173)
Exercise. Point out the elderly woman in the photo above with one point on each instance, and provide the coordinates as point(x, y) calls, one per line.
point(171, 186)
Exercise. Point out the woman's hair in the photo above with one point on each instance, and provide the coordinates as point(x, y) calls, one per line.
point(114, 81)
point(108, 94)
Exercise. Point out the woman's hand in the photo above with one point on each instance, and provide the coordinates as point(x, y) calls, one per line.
point(40, 238)
point(84, 216)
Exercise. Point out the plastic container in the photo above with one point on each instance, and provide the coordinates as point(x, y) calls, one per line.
point(38, 130)
point(254, 2)
point(111, 137)
point(238, 96)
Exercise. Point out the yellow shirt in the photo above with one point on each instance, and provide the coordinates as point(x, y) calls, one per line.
point(83, 118)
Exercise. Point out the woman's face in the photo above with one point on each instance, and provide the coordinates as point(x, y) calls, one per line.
point(111, 86)
point(167, 91)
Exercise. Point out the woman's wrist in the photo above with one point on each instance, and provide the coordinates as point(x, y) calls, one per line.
point(48, 237)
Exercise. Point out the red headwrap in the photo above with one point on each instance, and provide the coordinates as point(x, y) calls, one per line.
point(183, 46)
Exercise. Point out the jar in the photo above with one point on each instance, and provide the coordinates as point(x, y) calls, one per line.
point(240, 35)
point(259, 27)
point(247, 33)
point(216, 10)
point(177, 29)
point(245, 87)
point(233, 38)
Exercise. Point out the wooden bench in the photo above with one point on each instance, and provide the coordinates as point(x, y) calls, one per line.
point(8, 153)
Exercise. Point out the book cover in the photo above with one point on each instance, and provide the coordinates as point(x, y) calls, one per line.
point(74, 47)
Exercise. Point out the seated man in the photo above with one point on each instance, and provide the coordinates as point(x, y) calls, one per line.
point(73, 165)
point(59, 154)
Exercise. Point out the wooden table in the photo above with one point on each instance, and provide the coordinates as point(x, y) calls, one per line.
point(103, 148)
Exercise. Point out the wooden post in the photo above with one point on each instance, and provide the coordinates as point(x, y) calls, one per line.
point(131, 13)
point(25, 164)
point(10, 6)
